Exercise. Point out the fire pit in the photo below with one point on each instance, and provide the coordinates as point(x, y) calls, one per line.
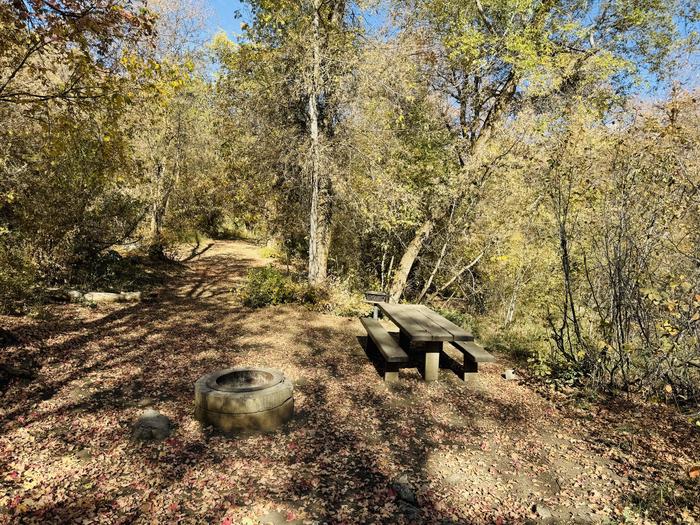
point(244, 399)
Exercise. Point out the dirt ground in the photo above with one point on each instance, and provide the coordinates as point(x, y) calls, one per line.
point(357, 451)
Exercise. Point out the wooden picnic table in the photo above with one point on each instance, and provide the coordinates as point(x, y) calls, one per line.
point(423, 331)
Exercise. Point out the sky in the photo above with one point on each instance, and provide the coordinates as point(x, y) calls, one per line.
point(223, 16)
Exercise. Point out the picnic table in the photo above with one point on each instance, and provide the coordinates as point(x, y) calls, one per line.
point(422, 331)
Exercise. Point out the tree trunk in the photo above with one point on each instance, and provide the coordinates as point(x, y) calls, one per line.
point(456, 276)
point(436, 268)
point(408, 259)
point(319, 221)
point(157, 213)
point(438, 263)
point(478, 139)
point(159, 206)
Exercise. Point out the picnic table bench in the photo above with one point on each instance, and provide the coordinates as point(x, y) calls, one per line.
point(473, 354)
point(422, 333)
point(379, 339)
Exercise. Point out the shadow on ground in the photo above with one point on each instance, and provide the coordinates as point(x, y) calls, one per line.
point(357, 451)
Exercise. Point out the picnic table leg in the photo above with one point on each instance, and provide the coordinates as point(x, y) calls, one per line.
point(404, 341)
point(431, 367)
point(391, 373)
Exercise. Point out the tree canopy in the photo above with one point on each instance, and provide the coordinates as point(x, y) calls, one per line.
point(528, 167)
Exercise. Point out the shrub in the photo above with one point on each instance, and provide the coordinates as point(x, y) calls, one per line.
point(267, 286)
point(524, 340)
point(338, 298)
point(17, 280)
point(270, 285)
point(462, 319)
point(271, 252)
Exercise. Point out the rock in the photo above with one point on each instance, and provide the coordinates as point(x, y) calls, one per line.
point(145, 402)
point(58, 295)
point(404, 491)
point(273, 518)
point(108, 297)
point(510, 374)
point(152, 425)
point(102, 297)
point(130, 296)
point(74, 296)
point(542, 511)
point(410, 511)
point(83, 455)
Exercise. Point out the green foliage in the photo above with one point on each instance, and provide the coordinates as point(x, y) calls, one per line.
point(525, 340)
point(66, 51)
point(268, 286)
point(338, 298)
point(482, 156)
point(272, 252)
point(107, 139)
point(680, 494)
point(462, 319)
point(111, 271)
point(18, 277)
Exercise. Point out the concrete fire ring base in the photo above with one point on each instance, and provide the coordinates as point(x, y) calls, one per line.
point(263, 421)
point(259, 408)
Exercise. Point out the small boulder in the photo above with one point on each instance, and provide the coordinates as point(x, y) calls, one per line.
point(410, 511)
point(74, 296)
point(108, 297)
point(273, 518)
point(102, 297)
point(404, 491)
point(56, 295)
point(128, 297)
point(542, 511)
point(152, 425)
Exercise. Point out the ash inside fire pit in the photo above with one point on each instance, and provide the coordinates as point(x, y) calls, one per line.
point(245, 380)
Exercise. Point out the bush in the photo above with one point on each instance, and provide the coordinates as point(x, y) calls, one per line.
point(17, 280)
point(462, 319)
point(268, 286)
point(524, 340)
point(337, 298)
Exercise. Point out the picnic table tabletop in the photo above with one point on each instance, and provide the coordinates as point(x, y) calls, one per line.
point(421, 323)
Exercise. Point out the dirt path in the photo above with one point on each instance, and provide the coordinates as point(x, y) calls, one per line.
point(488, 451)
